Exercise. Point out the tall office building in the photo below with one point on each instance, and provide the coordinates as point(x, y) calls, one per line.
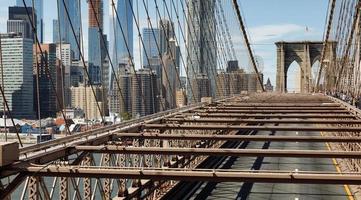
point(119, 43)
point(166, 33)
point(170, 55)
point(76, 73)
point(236, 82)
point(46, 63)
point(95, 52)
point(150, 49)
point(38, 6)
point(120, 99)
point(169, 75)
point(201, 88)
point(202, 42)
point(19, 26)
point(17, 58)
point(223, 85)
point(232, 65)
point(83, 97)
point(143, 88)
point(181, 98)
point(66, 33)
point(19, 22)
point(65, 57)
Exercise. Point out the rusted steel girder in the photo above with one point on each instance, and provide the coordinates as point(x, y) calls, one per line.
point(255, 128)
point(238, 137)
point(221, 152)
point(270, 111)
point(198, 175)
point(221, 107)
point(268, 115)
point(277, 105)
point(278, 121)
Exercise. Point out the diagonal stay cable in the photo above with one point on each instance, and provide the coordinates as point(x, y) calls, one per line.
point(83, 60)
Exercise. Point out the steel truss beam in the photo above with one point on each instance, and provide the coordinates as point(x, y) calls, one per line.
point(114, 149)
point(268, 115)
point(294, 105)
point(222, 107)
point(255, 128)
point(278, 121)
point(199, 175)
point(270, 111)
point(238, 137)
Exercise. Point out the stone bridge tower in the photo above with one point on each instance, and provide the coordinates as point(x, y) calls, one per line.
point(305, 53)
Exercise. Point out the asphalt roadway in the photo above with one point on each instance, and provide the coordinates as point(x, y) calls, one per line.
point(262, 191)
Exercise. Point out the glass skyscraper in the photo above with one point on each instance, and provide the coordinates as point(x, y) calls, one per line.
point(150, 44)
point(17, 58)
point(38, 5)
point(66, 33)
point(19, 21)
point(95, 53)
point(118, 46)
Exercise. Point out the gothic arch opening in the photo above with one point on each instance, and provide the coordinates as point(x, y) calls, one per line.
point(294, 73)
point(314, 70)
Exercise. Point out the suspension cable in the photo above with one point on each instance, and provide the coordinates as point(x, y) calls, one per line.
point(167, 38)
point(129, 53)
point(47, 70)
point(243, 30)
point(142, 41)
point(107, 52)
point(83, 60)
point(209, 50)
point(325, 44)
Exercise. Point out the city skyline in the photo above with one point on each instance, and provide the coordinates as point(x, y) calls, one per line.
point(162, 41)
point(264, 31)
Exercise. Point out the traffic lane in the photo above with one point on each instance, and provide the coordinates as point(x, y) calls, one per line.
point(297, 191)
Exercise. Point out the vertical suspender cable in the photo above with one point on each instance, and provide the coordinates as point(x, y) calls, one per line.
point(42, 57)
point(83, 60)
point(37, 68)
point(62, 71)
point(3, 86)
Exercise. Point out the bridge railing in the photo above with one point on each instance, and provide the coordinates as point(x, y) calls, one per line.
point(97, 131)
point(352, 109)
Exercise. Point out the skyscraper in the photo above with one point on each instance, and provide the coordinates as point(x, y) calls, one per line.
point(46, 64)
point(120, 44)
point(19, 21)
point(170, 55)
point(150, 45)
point(169, 74)
point(66, 33)
point(95, 54)
point(65, 56)
point(201, 87)
point(83, 97)
point(143, 88)
point(38, 5)
point(17, 58)
point(19, 26)
point(120, 100)
point(202, 42)
point(166, 33)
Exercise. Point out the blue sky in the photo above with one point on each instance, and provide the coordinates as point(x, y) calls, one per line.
point(267, 21)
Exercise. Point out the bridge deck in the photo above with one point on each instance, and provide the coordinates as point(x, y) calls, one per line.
point(175, 154)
